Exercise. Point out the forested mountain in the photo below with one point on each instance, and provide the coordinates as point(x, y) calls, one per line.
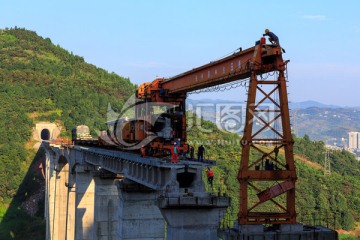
point(43, 82)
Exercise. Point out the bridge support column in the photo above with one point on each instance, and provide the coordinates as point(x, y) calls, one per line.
point(59, 200)
point(106, 209)
point(139, 215)
point(71, 206)
point(84, 212)
point(193, 217)
point(49, 195)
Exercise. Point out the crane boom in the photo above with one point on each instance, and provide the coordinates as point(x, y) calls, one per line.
point(261, 58)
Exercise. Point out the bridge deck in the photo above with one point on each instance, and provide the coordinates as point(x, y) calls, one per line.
point(152, 161)
point(156, 173)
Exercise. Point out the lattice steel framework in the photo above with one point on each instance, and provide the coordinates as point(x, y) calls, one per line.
point(267, 134)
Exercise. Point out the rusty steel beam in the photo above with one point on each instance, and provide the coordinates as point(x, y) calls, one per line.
point(275, 191)
point(267, 175)
point(238, 66)
point(222, 71)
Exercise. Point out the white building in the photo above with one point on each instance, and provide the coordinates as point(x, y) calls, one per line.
point(354, 140)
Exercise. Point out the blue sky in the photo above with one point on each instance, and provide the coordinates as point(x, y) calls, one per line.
point(143, 39)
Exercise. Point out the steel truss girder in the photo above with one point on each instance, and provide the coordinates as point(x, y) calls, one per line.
point(247, 176)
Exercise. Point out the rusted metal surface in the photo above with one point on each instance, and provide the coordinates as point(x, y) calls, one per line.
point(237, 66)
point(222, 71)
point(275, 191)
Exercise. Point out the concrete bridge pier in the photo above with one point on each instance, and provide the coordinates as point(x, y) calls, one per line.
point(191, 217)
point(84, 212)
point(192, 224)
point(106, 209)
point(97, 205)
point(59, 199)
point(139, 214)
point(71, 205)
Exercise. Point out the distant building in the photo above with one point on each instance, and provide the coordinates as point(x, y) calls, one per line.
point(354, 140)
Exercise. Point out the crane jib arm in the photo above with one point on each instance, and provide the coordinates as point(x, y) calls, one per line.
point(261, 58)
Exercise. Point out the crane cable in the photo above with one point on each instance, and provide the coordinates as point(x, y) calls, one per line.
point(229, 54)
point(227, 86)
point(223, 87)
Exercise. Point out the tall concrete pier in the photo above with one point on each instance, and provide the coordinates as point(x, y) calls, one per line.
point(94, 193)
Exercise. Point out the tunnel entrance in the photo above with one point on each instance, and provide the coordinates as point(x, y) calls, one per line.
point(45, 134)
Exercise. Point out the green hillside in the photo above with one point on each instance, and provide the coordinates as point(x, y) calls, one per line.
point(43, 82)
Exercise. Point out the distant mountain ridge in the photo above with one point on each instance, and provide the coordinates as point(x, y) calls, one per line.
point(330, 123)
point(292, 105)
point(308, 104)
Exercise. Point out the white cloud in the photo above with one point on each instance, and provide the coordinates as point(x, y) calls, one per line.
point(315, 17)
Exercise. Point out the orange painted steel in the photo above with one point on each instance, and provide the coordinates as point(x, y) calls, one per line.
point(250, 173)
point(275, 191)
point(250, 63)
point(259, 59)
point(237, 66)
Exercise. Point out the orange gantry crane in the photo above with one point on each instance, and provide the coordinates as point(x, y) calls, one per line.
point(267, 180)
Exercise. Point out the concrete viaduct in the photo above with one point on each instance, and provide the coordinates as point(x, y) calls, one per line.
point(94, 193)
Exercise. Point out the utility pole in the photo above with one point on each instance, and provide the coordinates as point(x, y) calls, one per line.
point(294, 125)
point(327, 169)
